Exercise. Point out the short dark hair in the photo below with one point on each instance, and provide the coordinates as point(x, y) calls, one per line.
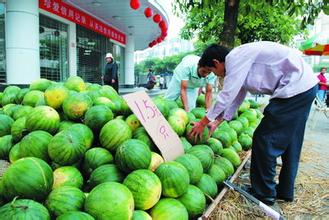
point(323, 68)
point(214, 51)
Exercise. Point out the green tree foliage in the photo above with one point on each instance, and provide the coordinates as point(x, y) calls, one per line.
point(276, 20)
point(165, 65)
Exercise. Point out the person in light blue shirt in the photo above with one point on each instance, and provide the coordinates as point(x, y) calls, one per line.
point(187, 79)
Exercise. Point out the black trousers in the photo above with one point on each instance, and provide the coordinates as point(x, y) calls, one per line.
point(280, 133)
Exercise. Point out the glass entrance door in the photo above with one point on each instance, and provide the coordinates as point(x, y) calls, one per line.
point(53, 49)
point(2, 44)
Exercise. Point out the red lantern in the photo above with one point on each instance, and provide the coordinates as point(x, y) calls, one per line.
point(157, 18)
point(159, 40)
point(162, 25)
point(164, 34)
point(148, 12)
point(154, 42)
point(135, 4)
point(150, 44)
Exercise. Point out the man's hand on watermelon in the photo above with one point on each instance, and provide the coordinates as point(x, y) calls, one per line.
point(198, 128)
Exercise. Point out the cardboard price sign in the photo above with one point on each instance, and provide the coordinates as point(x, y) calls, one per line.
point(155, 124)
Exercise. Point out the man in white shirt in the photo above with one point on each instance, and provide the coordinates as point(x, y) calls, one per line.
point(273, 69)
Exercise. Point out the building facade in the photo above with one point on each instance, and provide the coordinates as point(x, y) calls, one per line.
point(55, 39)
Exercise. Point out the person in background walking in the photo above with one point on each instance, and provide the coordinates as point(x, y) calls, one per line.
point(161, 82)
point(273, 69)
point(111, 72)
point(323, 85)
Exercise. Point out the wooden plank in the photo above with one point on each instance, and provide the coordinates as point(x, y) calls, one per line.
point(214, 204)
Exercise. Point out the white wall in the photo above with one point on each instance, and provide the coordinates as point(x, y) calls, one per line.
point(129, 61)
point(22, 41)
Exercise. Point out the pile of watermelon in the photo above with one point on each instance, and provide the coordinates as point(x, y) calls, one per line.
point(75, 150)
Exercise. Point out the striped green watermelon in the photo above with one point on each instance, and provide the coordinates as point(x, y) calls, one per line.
point(132, 155)
point(94, 158)
point(232, 156)
point(19, 97)
point(34, 98)
point(109, 136)
point(174, 178)
point(156, 160)
point(145, 187)
point(97, 116)
point(75, 83)
point(28, 177)
point(215, 145)
point(43, 118)
point(108, 92)
point(5, 125)
point(24, 209)
point(225, 165)
point(142, 135)
point(177, 124)
point(133, 122)
point(55, 95)
point(64, 125)
point(194, 201)
point(114, 106)
point(9, 95)
point(185, 144)
point(67, 147)
point(40, 84)
point(18, 129)
point(208, 186)
point(141, 215)
point(76, 104)
point(217, 173)
point(110, 201)
point(35, 144)
point(14, 153)
point(86, 133)
point(204, 154)
point(67, 176)
point(23, 111)
point(65, 199)
point(105, 173)
point(192, 165)
point(169, 209)
point(6, 143)
point(181, 113)
point(75, 215)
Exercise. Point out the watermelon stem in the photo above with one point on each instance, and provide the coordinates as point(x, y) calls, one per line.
point(209, 197)
point(18, 206)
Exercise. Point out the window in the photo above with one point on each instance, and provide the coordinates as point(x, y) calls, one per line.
point(91, 50)
point(53, 49)
point(2, 44)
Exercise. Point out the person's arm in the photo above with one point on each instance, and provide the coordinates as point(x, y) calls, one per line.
point(183, 94)
point(229, 113)
point(236, 74)
point(208, 96)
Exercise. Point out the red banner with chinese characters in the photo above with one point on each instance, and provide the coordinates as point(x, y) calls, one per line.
point(70, 13)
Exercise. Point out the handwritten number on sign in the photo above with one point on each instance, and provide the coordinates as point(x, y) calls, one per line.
point(150, 109)
point(163, 131)
point(140, 111)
